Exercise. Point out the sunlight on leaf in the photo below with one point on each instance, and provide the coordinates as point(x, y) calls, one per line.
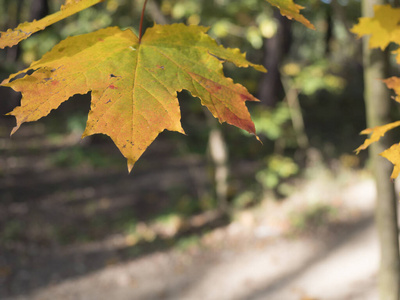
point(134, 85)
point(393, 155)
point(383, 28)
point(12, 37)
point(394, 83)
point(292, 11)
point(376, 133)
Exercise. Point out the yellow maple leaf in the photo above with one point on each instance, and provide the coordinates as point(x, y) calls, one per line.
point(292, 11)
point(383, 27)
point(134, 84)
point(12, 37)
point(393, 155)
point(376, 133)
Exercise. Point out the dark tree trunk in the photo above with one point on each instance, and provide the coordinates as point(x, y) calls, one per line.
point(13, 53)
point(39, 9)
point(329, 30)
point(275, 48)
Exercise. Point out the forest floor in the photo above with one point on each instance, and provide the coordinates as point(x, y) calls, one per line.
point(83, 233)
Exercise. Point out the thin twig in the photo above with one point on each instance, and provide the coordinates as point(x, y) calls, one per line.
point(141, 21)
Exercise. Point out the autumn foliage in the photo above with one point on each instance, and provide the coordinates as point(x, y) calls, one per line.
point(133, 80)
point(383, 29)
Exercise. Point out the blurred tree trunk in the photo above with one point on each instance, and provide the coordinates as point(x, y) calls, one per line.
point(154, 10)
point(275, 48)
point(39, 9)
point(378, 105)
point(219, 159)
point(14, 52)
point(329, 30)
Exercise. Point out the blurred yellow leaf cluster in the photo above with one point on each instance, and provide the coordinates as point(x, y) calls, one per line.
point(383, 29)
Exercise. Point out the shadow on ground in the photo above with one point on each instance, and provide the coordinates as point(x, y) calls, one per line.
point(59, 221)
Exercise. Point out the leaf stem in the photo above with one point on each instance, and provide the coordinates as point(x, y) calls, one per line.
point(141, 21)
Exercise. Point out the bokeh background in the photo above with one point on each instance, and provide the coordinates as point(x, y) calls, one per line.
point(214, 214)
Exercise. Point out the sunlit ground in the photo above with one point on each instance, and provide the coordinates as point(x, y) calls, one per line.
point(74, 225)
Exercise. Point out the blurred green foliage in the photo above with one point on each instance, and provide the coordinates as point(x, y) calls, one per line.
point(188, 243)
point(312, 218)
point(277, 168)
point(11, 231)
point(312, 78)
point(78, 156)
point(272, 122)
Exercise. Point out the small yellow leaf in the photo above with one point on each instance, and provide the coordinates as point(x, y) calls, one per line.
point(394, 83)
point(292, 11)
point(12, 37)
point(393, 155)
point(383, 26)
point(376, 133)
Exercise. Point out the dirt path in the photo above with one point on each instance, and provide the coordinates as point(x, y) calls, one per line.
point(250, 259)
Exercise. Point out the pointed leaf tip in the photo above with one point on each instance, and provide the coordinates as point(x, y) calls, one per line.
point(130, 165)
point(292, 11)
point(376, 133)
